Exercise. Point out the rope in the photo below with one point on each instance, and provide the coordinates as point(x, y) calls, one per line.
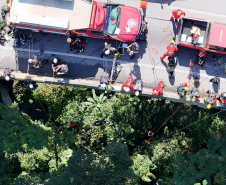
point(29, 53)
point(200, 84)
point(154, 51)
point(166, 120)
point(41, 104)
point(168, 33)
point(148, 141)
point(190, 125)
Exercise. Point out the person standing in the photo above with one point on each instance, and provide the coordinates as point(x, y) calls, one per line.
point(170, 50)
point(176, 14)
point(216, 79)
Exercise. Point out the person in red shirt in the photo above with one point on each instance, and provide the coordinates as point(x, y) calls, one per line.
point(159, 89)
point(128, 85)
point(170, 50)
point(176, 14)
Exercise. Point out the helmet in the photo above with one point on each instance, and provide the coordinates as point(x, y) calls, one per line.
point(156, 92)
point(179, 13)
point(172, 41)
point(131, 53)
point(195, 36)
point(126, 89)
point(68, 39)
point(7, 78)
point(180, 90)
point(186, 88)
point(55, 60)
point(107, 52)
point(102, 85)
point(30, 60)
point(185, 84)
point(137, 93)
point(193, 99)
point(208, 106)
point(207, 101)
point(31, 86)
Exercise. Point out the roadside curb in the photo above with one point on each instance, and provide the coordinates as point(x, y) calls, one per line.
point(92, 83)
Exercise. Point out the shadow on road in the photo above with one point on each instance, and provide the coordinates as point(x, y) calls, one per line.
point(211, 68)
point(76, 69)
point(216, 87)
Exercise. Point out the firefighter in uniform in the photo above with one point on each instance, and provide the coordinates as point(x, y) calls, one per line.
point(159, 89)
point(201, 58)
point(211, 97)
point(182, 89)
point(176, 14)
point(128, 85)
point(170, 50)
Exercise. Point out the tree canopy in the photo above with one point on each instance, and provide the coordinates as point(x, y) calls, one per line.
point(49, 137)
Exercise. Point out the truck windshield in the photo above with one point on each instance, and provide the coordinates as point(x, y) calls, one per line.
point(111, 19)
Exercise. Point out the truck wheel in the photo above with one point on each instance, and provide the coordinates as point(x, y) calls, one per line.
point(5, 8)
point(7, 29)
point(142, 38)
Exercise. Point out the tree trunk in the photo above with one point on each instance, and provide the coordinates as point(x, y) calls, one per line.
point(5, 96)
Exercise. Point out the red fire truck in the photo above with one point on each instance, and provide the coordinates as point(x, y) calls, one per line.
point(211, 36)
point(82, 17)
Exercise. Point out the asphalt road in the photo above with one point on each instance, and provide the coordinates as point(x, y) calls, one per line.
point(146, 66)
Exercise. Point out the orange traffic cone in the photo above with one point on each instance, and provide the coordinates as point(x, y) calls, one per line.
point(143, 4)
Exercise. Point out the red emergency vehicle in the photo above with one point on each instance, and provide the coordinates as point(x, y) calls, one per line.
point(82, 17)
point(211, 35)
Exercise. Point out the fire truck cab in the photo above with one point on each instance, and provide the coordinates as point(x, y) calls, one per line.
point(82, 17)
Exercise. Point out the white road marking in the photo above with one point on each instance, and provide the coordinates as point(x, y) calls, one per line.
point(197, 11)
point(106, 60)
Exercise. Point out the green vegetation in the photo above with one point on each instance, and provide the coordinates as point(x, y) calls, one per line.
point(39, 147)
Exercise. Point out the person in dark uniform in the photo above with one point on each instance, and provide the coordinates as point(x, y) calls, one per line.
point(55, 63)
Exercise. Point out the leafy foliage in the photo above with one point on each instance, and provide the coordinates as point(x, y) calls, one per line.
point(49, 151)
point(204, 164)
point(142, 167)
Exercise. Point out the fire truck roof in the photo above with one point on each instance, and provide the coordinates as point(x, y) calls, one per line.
point(218, 35)
point(61, 14)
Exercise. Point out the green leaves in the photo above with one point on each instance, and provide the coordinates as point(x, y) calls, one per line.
point(220, 178)
point(109, 167)
point(205, 164)
point(91, 100)
point(142, 166)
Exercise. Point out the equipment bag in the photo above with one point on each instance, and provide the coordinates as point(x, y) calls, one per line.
point(64, 68)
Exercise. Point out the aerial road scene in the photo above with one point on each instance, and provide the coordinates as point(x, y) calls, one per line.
point(122, 92)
